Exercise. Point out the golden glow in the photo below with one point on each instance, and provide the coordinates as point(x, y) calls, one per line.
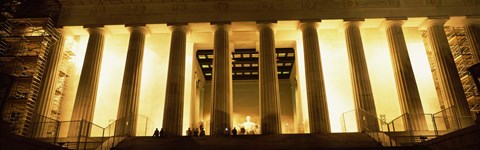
point(421, 69)
point(188, 86)
point(335, 68)
point(423, 75)
point(111, 77)
point(302, 88)
point(381, 73)
point(336, 75)
point(154, 78)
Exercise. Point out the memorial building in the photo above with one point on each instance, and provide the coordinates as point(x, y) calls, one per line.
point(265, 66)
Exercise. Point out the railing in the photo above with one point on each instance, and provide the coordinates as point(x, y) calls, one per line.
point(115, 135)
point(348, 124)
point(376, 131)
point(82, 134)
point(407, 129)
point(78, 134)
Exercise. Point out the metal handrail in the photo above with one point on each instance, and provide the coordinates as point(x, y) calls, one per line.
point(86, 135)
point(409, 138)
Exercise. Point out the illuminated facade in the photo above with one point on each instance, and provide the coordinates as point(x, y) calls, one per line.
point(293, 66)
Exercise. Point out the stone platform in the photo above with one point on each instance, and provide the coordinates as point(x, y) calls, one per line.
point(334, 141)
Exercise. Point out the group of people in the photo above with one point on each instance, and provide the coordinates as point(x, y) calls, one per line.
point(248, 127)
point(196, 132)
point(160, 133)
point(234, 131)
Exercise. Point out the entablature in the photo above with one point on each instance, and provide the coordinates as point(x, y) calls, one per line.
point(81, 12)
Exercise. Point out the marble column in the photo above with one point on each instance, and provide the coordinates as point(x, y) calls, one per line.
point(132, 77)
point(407, 89)
point(450, 84)
point(47, 88)
point(221, 80)
point(85, 99)
point(173, 111)
point(316, 96)
point(268, 78)
point(472, 30)
point(362, 89)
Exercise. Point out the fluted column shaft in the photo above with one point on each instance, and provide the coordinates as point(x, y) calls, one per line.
point(221, 79)
point(85, 99)
point(47, 88)
point(407, 89)
point(130, 93)
point(173, 111)
point(450, 84)
point(269, 96)
point(472, 30)
point(316, 96)
point(362, 89)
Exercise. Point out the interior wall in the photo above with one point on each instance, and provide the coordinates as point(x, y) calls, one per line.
point(246, 103)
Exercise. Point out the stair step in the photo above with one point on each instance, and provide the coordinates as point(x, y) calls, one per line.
point(335, 141)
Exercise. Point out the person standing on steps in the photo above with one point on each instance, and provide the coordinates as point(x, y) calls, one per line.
point(189, 132)
point(234, 131)
point(156, 133)
point(195, 132)
point(202, 132)
point(162, 133)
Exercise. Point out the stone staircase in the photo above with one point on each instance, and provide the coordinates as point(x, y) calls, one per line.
point(334, 141)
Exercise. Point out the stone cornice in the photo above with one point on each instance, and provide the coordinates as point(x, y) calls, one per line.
point(302, 3)
point(78, 12)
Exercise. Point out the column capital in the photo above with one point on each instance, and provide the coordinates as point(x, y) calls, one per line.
point(308, 23)
point(220, 25)
point(472, 19)
point(99, 30)
point(179, 27)
point(393, 22)
point(266, 24)
point(64, 32)
point(138, 28)
point(432, 21)
point(353, 22)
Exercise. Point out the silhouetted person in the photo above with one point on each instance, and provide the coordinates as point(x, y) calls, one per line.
point(189, 132)
point(162, 133)
point(195, 132)
point(234, 131)
point(156, 133)
point(202, 132)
